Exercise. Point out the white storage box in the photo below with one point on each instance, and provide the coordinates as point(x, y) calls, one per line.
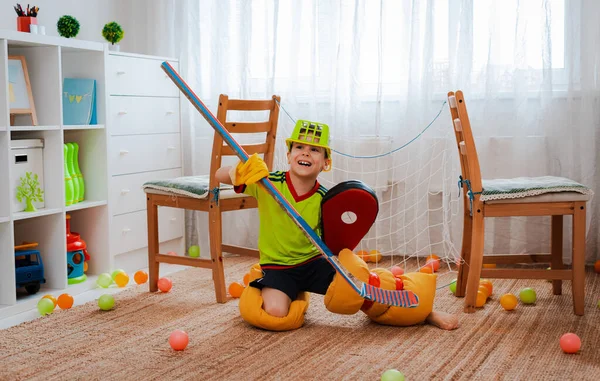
point(26, 155)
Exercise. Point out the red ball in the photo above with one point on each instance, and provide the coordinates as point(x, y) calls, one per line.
point(178, 340)
point(570, 343)
point(165, 284)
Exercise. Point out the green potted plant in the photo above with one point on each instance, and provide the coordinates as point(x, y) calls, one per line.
point(113, 33)
point(30, 191)
point(67, 26)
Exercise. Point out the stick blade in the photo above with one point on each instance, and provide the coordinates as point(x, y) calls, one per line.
point(398, 298)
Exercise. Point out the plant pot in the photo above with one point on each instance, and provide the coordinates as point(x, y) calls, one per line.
point(23, 23)
point(114, 48)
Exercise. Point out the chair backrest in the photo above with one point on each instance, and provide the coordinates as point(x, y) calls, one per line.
point(269, 127)
point(469, 163)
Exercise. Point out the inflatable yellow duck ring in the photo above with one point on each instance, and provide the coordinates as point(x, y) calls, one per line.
point(341, 298)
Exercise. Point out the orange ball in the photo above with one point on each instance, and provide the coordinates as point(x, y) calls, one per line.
point(484, 290)
point(375, 256)
point(481, 299)
point(397, 271)
point(597, 266)
point(165, 284)
point(51, 297)
point(432, 256)
point(247, 279)
point(570, 343)
point(489, 265)
point(364, 255)
point(236, 289)
point(488, 285)
point(140, 277)
point(178, 340)
point(121, 279)
point(65, 301)
point(509, 302)
point(434, 264)
point(426, 269)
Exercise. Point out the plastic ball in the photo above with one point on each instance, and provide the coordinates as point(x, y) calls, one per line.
point(484, 290)
point(165, 284)
point(392, 375)
point(528, 295)
point(397, 271)
point(194, 251)
point(178, 340)
point(236, 289)
point(140, 277)
point(481, 299)
point(51, 297)
point(65, 301)
point(104, 280)
point(106, 302)
point(113, 275)
point(509, 302)
point(121, 279)
point(488, 285)
point(570, 343)
point(364, 255)
point(246, 279)
point(432, 256)
point(597, 266)
point(375, 256)
point(434, 264)
point(45, 306)
point(452, 287)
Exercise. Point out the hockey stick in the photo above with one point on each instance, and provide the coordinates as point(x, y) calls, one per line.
point(399, 298)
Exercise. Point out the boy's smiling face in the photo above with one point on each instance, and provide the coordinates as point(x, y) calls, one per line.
point(306, 161)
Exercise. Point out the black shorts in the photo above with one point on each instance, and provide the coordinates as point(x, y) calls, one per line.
point(314, 275)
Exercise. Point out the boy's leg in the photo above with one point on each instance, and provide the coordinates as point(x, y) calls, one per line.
point(275, 303)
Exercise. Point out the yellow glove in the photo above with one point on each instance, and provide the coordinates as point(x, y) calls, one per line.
point(250, 172)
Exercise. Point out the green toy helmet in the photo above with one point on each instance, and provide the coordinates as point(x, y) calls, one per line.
point(311, 133)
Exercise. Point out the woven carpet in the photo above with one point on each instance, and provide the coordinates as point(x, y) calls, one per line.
point(130, 342)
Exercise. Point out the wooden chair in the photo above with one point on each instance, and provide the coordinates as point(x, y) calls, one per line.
point(216, 202)
point(556, 205)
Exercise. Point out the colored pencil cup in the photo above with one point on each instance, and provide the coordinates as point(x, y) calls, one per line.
point(23, 23)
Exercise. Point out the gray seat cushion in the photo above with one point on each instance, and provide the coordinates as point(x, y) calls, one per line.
point(189, 186)
point(534, 189)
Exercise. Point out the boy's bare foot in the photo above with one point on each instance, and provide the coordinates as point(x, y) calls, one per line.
point(443, 320)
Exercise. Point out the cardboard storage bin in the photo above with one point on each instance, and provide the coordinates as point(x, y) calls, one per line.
point(26, 155)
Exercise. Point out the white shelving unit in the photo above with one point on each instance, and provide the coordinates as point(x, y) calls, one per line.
point(133, 112)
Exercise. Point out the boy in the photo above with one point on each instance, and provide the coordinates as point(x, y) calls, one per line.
point(290, 264)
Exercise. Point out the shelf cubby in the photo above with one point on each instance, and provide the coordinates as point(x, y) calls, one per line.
point(92, 162)
point(49, 232)
point(86, 64)
point(43, 66)
point(53, 169)
point(89, 224)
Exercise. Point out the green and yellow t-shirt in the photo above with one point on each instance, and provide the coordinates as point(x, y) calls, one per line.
point(280, 240)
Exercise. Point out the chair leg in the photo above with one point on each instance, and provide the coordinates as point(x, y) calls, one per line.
point(578, 267)
point(556, 236)
point(216, 237)
point(465, 254)
point(475, 260)
point(153, 264)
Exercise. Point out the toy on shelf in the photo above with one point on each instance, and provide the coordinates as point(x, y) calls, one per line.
point(74, 184)
point(67, 26)
point(26, 18)
point(113, 33)
point(29, 267)
point(30, 191)
point(76, 255)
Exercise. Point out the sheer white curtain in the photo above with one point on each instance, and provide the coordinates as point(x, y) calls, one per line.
point(378, 71)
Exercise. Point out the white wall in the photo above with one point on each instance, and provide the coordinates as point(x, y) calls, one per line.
point(91, 14)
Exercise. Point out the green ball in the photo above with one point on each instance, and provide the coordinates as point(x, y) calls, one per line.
point(106, 302)
point(392, 375)
point(114, 273)
point(45, 306)
point(104, 280)
point(194, 251)
point(453, 287)
point(527, 295)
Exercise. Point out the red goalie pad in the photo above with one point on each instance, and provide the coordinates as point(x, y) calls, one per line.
point(348, 211)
